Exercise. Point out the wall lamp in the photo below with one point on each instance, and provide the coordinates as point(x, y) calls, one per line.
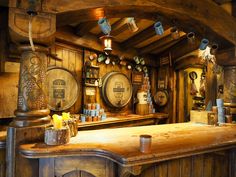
point(104, 25)
point(204, 43)
point(158, 28)
point(174, 33)
point(132, 24)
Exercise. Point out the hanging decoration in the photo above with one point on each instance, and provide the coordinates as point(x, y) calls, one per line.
point(159, 28)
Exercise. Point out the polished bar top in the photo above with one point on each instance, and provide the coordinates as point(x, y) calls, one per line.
point(121, 145)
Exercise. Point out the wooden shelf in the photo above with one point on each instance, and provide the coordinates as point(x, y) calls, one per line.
point(90, 85)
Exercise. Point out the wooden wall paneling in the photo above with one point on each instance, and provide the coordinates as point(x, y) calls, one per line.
point(150, 172)
point(59, 52)
point(208, 165)
point(52, 61)
point(8, 94)
point(186, 167)
point(3, 37)
point(2, 162)
point(174, 90)
point(221, 164)
point(91, 166)
point(71, 60)
point(232, 165)
point(46, 167)
point(161, 169)
point(197, 169)
point(173, 168)
point(180, 96)
point(78, 71)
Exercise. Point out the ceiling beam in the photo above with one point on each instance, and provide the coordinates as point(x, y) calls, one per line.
point(222, 1)
point(119, 27)
point(158, 44)
point(181, 48)
point(214, 22)
point(90, 41)
point(141, 36)
point(167, 46)
point(84, 27)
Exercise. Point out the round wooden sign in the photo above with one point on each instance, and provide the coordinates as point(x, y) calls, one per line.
point(161, 97)
point(116, 89)
point(62, 89)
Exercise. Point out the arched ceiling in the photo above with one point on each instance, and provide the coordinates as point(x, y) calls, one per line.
point(204, 17)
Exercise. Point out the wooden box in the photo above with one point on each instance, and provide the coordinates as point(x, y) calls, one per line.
point(199, 116)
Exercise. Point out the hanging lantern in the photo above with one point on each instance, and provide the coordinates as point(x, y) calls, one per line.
point(107, 43)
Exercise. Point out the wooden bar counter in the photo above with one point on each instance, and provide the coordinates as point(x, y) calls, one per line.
point(178, 150)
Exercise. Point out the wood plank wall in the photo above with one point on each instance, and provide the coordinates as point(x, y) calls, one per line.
point(217, 164)
point(104, 69)
point(72, 59)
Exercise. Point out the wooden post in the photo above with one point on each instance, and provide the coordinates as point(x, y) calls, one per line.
point(32, 102)
point(32, 112)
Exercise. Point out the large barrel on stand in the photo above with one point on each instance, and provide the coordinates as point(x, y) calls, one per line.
point(116, 89)
point(63, 89)
point(230, 89)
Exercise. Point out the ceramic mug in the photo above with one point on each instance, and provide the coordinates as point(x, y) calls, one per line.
point(158, 28)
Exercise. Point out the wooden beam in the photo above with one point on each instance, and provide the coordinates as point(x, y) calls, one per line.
point(90, 41)
point(214, 22)
point(181, 48)
point(159, 44)
point(142, 36)
point(85, 27)
point(167, 46)
point(222, 1)
point(226, 57)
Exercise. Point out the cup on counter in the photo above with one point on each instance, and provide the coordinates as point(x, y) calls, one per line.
point(228, 118)
point(215, 109)
point(83, 118)
point(219, 102)
point(145, 143)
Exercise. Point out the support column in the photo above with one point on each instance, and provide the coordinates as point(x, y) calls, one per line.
point(32, 92)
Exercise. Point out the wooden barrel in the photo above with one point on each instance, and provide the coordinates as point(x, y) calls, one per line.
point(63, 89)
point(116, 89)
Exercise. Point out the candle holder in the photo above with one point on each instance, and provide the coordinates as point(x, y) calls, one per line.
point(54, 136)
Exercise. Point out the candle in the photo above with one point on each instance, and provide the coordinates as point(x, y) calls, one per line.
point(57, 121)
point(65, 116)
